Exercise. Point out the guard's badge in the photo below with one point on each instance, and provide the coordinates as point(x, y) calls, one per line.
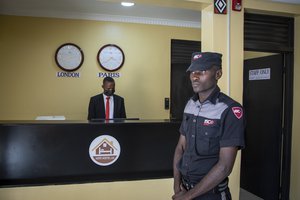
point(238, 112)
point(208, 122)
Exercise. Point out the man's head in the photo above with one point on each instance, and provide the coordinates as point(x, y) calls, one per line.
point(205, 71)
point(108, 86)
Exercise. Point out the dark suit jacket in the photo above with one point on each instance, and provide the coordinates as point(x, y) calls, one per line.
point(97, 109)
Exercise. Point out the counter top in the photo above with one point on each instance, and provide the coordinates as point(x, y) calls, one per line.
point(96, 121)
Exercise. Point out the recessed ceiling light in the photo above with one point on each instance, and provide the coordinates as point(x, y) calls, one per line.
point(127, 4)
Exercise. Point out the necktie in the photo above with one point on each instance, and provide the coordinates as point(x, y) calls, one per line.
point(107, 108)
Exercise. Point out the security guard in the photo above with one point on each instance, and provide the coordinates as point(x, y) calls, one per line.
point(211, 133)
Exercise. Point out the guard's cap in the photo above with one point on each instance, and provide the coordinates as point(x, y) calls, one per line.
point(204, 60)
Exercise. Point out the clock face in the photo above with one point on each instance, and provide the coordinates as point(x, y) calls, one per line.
point(69, 57)
point(111, 57)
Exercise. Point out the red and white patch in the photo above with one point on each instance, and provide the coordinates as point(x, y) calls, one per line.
point(208, 122)
point(238, 112)
point(197, 56)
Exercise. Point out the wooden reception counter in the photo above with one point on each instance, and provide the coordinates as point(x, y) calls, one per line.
point(60, 152)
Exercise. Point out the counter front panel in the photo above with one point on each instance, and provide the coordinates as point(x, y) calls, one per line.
point(50, 153)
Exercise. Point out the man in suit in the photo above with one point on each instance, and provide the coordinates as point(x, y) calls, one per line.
point(107, 105)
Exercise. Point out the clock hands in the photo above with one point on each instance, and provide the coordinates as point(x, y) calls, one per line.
point(69, 56)
point(111, 58)
point(108, 60)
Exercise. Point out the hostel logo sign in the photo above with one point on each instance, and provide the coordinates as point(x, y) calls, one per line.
point(104, 150)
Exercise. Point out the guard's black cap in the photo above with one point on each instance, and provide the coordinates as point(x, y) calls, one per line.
point(205, 60)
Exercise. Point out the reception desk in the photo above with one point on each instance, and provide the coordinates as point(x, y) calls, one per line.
point(60, 152)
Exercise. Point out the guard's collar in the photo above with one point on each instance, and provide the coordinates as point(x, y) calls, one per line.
point(212, 97)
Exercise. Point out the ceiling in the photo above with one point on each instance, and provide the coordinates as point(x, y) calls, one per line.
point(164, 12)
point(104, 10)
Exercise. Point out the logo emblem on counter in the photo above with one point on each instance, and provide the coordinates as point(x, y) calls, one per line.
point(104, 150)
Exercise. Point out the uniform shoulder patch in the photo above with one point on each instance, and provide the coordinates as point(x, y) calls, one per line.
point(238, 112)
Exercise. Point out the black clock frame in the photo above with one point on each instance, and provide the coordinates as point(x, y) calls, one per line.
point(66, 44)
point(103, 47)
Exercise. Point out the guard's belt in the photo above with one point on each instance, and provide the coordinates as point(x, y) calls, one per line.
point(216, 190)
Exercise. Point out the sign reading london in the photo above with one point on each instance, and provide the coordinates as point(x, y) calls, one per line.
point(104, 150)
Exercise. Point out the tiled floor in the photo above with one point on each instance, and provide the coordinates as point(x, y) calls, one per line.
point(245, 195)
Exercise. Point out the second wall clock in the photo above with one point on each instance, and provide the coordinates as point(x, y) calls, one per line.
point(111, 57)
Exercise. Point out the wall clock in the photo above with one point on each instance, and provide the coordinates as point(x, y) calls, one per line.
point(111, 57)
point(69, 57)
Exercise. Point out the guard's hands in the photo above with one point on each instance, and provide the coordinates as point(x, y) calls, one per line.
point(177, 188)
point(180, 195)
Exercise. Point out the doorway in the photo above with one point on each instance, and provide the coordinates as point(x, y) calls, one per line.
point(263, 103)
point(266, 160)
point(181, 88)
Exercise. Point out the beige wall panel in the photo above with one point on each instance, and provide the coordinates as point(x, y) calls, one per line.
point(29, 86)
point(28, 79)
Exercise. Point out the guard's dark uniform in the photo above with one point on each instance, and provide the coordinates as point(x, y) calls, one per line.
point(218, 122)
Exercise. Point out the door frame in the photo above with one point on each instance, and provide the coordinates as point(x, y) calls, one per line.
point(287, 49)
